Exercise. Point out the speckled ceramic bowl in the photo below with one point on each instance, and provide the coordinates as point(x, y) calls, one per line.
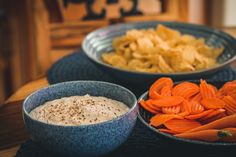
point(144, 117)
point(100, 41)
point(84, 140)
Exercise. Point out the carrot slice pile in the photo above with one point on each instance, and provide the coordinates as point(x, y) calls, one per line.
point(230, 105)
point(229, 88)
point(213, 103)
point(156, 88)
point(185, 89)
point(196, 107)
point(196, 97)
point(166, 101)
point(188, 110)
point(160, 119)
point(206, 90)
point(171, 109)
point(199, 115)
point(181, 125)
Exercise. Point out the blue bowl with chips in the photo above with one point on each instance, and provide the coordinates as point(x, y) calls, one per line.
point(100, 41)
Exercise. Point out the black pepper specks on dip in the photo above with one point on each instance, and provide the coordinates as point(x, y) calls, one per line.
point(79, 110)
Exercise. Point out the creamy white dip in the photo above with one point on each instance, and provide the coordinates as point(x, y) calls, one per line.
point(79, 110)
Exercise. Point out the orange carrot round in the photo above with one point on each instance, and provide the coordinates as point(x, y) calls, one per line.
point(196, 107)
point(212, 114)
point(213, 103)
point(160, 119)
point(146, 107)
point(206, 90)
point(181, 125)
point(166, 101)
point(203, 135)
point(185, 89)
point(155, 89)
point(230, 105)
point(171, 109)
point(226, 122)
point(211, 135)
point(231, 136)
point(199, 115)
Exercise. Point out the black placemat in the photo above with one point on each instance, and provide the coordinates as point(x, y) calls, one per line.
point(78, 67)
point(142, 141)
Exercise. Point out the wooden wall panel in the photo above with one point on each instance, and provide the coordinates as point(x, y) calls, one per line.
point(21, 40)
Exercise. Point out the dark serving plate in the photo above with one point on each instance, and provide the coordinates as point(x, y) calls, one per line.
point(100, 41)
point(144, 117)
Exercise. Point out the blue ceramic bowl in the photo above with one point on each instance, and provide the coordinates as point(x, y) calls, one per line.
point(144, 117)
point(100, 41)
point(83, 140)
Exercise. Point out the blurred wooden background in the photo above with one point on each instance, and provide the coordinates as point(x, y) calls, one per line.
point(36, 33)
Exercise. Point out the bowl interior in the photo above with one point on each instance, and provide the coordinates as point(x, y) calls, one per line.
point(144, 117)
point(100, 41)
point(66, 89)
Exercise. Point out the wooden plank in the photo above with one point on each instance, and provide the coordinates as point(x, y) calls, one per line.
point(183, 10)
point(72, 42)
point(27, 89)
point(10, 152)
point(42, 35)
point(20, 42)
point(75, 24)
point(54, 8)
point(71, 34)
point(12, 127)
point(74, 11)
point(2, 80)
point(161, 17)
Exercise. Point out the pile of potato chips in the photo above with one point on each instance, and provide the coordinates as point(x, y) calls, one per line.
point(163, 50)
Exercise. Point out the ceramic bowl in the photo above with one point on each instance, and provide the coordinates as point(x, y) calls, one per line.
point(84, 140)
point(100, 41)
point(144, 117)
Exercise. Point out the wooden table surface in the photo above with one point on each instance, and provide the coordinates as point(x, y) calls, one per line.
point(12, 130)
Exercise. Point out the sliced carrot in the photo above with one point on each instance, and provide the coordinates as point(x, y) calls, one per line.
point(211, 135)
point(196, 98)
point(171, 109)
point(212, 103)
point(186, 108)
point(228, 88)
point(159, 119)
point(146, 107)
point(212, 114)
point(181, 125)
point(233, 95)
point(230, 137)
point(196, 107)
point(185, 89)
point(166, 101)
point(166, 91)
point(218, 116)
point(155, 89)
point(214, 89)
point(226, 122)
point(206, 90)
point(230, 105)
point(168, 131)
point(203, 135)
point(199, 115)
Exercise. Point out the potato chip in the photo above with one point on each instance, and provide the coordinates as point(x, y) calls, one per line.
point(163, 50)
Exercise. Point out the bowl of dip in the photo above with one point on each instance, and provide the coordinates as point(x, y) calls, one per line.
point(80, 118)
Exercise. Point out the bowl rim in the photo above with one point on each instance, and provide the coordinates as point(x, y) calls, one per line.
point(131, 109)
point(188, 73)
point(178, 138)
